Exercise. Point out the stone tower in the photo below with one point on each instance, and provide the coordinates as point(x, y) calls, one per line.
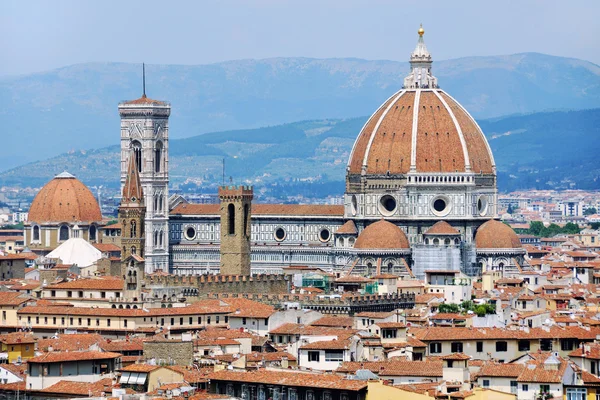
point(145, 135)
point(236, 203)
point(132, 212)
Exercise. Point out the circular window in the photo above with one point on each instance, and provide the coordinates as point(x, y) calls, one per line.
point(440, 206)
point(279, 234)
point(354, 205)
point(387, 205)
point(190, 233)
point(482, 205)
point(324, 235)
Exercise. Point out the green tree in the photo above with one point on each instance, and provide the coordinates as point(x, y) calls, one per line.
point(571, 228)
point(448, 308)
point(536, 228)
point(590, 211)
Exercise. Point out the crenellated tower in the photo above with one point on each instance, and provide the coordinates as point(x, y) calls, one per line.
point(145, 137)
point(235, 211)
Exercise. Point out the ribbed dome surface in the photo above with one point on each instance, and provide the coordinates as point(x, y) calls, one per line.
point(64, 199)
point(382, 235)
point(496, 235)
point(425, 128)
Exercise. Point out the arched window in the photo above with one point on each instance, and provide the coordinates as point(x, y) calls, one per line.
point(246, 214)
point(156, 238)
point(63, 233)
point(156, 202)
point(231, 218)
point(160, 202)
point(36, 232)
point(133, 250)
point(160, 238)
point(133, 229)
point(93, 232)
point(158, 156)
point(137, 153)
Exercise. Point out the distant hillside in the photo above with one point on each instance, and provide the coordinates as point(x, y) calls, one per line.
point(542, 150)
point(75, 107)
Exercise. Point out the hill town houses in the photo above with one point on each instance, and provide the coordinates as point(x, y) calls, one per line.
point(412, 288)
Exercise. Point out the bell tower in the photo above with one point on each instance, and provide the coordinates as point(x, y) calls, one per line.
point(235, 210)
point(145, 137)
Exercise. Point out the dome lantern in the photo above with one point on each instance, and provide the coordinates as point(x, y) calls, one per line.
point(420, 76)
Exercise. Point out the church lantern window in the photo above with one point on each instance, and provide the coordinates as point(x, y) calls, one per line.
point(63, 233)
point(36, 233)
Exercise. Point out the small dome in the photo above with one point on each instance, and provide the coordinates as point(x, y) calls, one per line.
point(64, 199)
point(496, 235)
point(442, 228)
point(382, 235)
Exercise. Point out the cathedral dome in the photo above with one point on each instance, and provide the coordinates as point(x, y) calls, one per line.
point(64, 199)
point(420, 129)
point(496, 235)
point(382, 235)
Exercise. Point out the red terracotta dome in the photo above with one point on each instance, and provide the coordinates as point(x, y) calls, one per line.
point(382, 235)
point(496, 235)
point(423, 128)
point(64, 199)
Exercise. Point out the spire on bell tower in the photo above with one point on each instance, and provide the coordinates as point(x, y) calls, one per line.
point(132, 189)
point(420, 76)
point(144, 80)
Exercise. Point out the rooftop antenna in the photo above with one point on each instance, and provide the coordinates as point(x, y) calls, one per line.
point(144, 79)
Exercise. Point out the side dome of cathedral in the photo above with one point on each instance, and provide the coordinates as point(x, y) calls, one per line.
point(62, 209)
point(382, 235)
point(64, 199)
point(496, 235)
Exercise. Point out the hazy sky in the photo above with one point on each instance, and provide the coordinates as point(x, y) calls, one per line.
point(40, 35)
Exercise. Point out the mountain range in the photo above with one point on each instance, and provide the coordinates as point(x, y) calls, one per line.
point(72, 108)
point(554, 150)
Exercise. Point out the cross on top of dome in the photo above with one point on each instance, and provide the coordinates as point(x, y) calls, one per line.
point(420, 76)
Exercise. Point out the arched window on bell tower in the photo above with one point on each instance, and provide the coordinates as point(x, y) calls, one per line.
point(137, 153)
point(158, 156)
point(231, 218)
point(133, 229)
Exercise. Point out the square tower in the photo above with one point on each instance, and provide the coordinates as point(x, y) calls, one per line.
point(145, 136)
point(235, 211)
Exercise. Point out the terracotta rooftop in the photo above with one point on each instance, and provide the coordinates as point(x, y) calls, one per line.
point(104, 283)
point(348, 228)
point(298, 379)
point(17, 338)
point(395, 368)
point(334, 321)
point(386, 142)
point(140, 368)
point(64, 199)
point(382, 235)
point(56, 356)
point(442, 228)
point(12, 299)
point(80, 388)
point(494, 234)
point(107, 247)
